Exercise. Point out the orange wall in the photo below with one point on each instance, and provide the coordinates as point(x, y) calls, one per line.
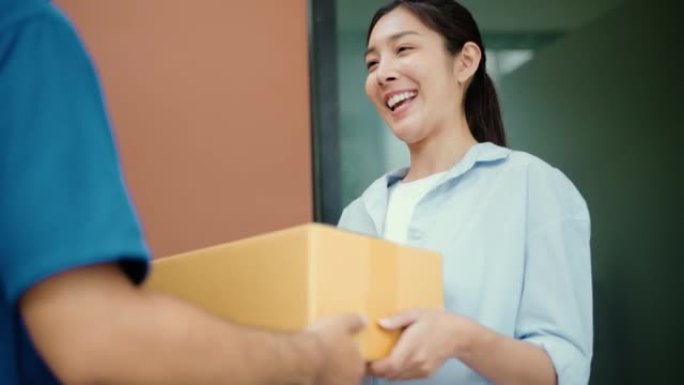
point(210, 105)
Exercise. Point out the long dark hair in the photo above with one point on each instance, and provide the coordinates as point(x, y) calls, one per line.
point(455, 23)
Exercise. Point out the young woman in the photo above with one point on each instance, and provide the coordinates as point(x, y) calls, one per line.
point(513, 231)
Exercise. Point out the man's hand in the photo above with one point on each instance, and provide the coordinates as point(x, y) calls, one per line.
point(341, 361)
point(428, 339)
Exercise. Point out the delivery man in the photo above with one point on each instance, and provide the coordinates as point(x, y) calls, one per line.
point(72, 253)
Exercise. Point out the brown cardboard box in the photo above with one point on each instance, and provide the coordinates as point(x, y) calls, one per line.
point(286, 279)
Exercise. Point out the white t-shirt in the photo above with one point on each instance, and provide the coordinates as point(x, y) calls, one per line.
point(403, 198)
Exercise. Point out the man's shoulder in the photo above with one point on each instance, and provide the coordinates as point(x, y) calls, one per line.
point(14, 14)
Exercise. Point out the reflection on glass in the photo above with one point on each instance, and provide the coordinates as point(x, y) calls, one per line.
point(502, 62)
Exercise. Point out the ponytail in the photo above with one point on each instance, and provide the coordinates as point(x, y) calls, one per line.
point(482, 109)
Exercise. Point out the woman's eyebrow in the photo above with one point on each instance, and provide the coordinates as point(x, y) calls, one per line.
point(393, 37)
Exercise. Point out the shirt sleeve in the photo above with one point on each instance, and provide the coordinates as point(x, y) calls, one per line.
point(63, 203)
point(556, 307)
point(346, 220)
point(354, 218)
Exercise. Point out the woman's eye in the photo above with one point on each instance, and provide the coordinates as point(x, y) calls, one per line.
point(403, 49)
point(371, 64)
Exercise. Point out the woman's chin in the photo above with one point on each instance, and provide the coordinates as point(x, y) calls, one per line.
point(408, 138)
point(406, 133)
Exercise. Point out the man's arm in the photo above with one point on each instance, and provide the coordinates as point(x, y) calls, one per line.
point(91, 325)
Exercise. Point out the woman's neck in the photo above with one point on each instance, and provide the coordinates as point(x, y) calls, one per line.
point(440, 151)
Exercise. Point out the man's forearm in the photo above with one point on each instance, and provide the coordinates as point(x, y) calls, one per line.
point(181, 344)
point(92, 326)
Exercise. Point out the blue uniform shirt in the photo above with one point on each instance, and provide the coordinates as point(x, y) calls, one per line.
point(514, 236)
point(62, 200)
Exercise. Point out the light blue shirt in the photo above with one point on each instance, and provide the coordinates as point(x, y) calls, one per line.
point(514, 236)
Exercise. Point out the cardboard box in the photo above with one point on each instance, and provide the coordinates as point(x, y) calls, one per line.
point(286, 279)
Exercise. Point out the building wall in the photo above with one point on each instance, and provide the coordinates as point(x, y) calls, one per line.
point(210, 106)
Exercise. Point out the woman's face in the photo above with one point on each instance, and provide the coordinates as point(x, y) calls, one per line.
point(411, 77)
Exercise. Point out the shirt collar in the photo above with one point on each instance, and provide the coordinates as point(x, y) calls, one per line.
point(480, 153)
point(376, 195)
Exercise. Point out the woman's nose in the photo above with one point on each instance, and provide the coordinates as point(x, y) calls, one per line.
point(385, 72)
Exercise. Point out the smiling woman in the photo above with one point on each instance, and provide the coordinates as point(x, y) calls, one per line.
point(503, 220)
point(409, 44)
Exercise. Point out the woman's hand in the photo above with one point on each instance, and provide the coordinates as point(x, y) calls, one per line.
point(429, 338)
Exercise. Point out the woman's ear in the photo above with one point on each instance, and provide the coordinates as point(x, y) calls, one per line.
point(467, 62)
